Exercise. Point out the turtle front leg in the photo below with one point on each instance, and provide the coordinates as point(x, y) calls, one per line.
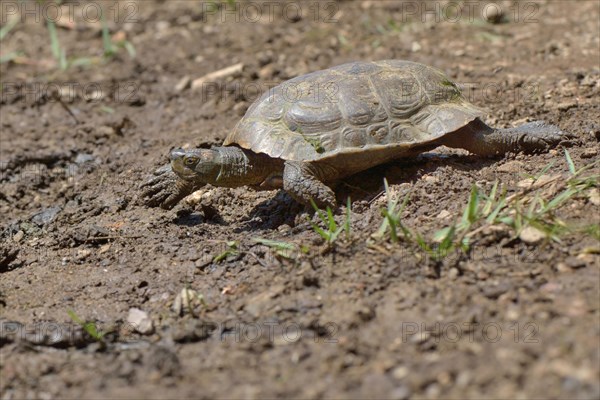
point(303, 182)
point(532, 137)
point(166, 189)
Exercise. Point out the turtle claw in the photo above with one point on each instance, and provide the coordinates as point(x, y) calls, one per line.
point(539, 136)
point(164, 189)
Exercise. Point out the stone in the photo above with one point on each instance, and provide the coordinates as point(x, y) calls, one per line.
point(531, 235)
point(140, 321)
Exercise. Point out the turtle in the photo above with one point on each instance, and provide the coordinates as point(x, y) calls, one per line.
point(310, 132)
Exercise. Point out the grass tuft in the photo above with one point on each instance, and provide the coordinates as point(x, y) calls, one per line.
point(534, 208)
point(232, 251)
point(285, 250)
point(392, 215)
point(332, 231)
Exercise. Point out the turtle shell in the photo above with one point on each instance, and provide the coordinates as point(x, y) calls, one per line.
point(356, 108)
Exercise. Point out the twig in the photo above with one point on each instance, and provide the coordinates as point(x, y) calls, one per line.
point(114, 237)
point(62, 103)
point(257, 259)
point(220, 74)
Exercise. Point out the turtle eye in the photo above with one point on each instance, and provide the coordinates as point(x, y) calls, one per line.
point(190, 161)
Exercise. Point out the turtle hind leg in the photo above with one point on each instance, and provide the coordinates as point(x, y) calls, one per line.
point(303, 183)
point(532, 137)
point(166, 189)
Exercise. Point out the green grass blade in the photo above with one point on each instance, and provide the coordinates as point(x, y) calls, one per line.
point(54, 43)
point(473, 204)
point(487, 208)
point(319, 212)
point(448, 243)
point(221, 257)
point(81, 61)
point(391, 204)
point(408, 235)
point(107, 109)
point(403, 204)
point(391, 223)
point(130, 49)
point(470, 213)
point(518, 221)
point(593, 230)
point(331, 220)
point(544, 170)
point(334, 235)
point(422, 244)
point(8, 27)
point(442, 234)
point(275, 244)
point(347, 221)
point(570, 163)
point(320, 231)
point(283, 249)
point(109, 48)
point(75, 317)
point(92, 330)
point(465, 244)
point(499, 207)
point(559, 199)
point(586, 167)
point(383, 227)
point(531, 209)
point(89, 327)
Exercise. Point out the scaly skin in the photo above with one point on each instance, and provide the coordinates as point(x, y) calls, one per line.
point(302, 182)
point(232, 167)
point(166, 189)
point(190, 170)
point(480, 139)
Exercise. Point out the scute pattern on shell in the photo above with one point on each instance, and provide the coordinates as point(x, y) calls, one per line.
point(353, 107)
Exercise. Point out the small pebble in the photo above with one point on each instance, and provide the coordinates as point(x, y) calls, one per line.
point(18, 236)
point(567, 105)
point(594, 197)
point(104, 248)
point(82, 254)
point(104, 131)
point(512, 314)
point(531, 235)
point(46, 216)
point(587, 259)
point(430, 179)
point(400, 372)
point(563, 267)
point(525, 183)
point(511, 166)
point(453, 273)
point(83, 158)
point(162, 25)
point(140, 321)
point(444, 214)
point(267, 72)
point(493, 13)
point(589, 153)
point(284, 228)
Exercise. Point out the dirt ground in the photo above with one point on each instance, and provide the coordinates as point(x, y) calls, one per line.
point(370, 318)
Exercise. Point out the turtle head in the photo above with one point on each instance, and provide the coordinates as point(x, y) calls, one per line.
point(196, 165)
